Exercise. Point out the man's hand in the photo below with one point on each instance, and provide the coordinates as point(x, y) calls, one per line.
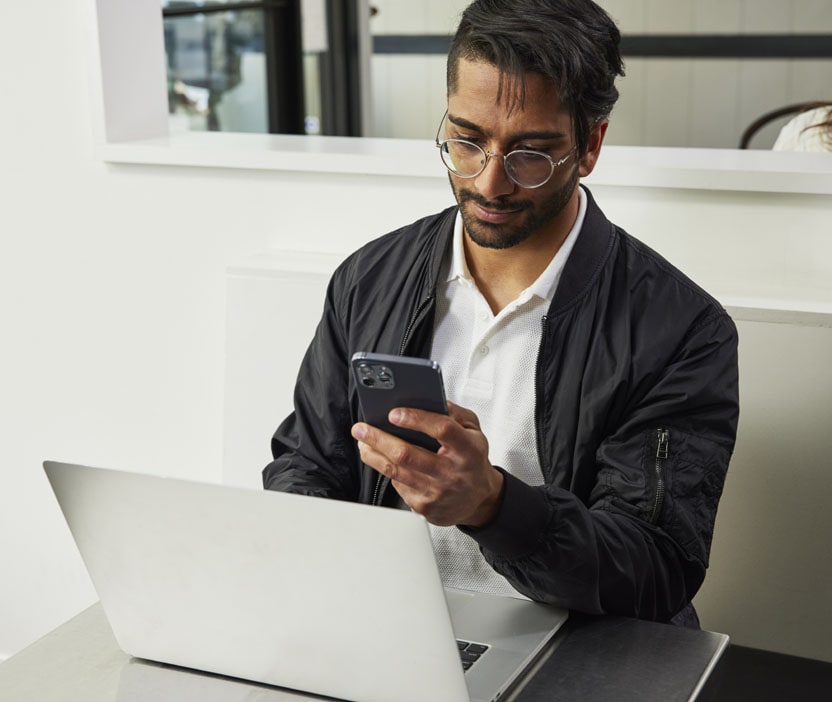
point(455, 486)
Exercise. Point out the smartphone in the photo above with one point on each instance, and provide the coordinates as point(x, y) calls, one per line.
point(385, 382)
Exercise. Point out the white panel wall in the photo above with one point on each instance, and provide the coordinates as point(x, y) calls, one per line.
point(420, 17)
point(112, 300)
point(770, 569)
point(272, 337)
point(409, 91)
point(664, 102)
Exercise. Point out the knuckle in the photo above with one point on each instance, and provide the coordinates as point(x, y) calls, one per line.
point(483, 445)
point(443, 430)
point(455, 483)
point(402, 453)
point(390, 470)
point(429, 511)
point(418, 505)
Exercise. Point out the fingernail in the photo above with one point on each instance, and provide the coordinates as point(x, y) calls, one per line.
point(359, 432)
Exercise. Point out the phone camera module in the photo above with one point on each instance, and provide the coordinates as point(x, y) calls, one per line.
point(375, 375)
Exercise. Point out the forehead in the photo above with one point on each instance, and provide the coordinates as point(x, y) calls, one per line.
point(481, 90)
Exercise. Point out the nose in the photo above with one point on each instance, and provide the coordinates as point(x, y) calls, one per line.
point(494, 182)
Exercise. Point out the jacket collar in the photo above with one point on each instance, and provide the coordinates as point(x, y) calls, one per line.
point(589, 255)
point(444, 244)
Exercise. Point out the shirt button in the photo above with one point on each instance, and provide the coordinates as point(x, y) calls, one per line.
point(484, 350)
point(484, 316)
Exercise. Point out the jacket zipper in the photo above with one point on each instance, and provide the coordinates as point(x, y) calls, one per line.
point(409, 330)
point(381, 481)
point(538, 393)
point(662, 448)
point(381, 486)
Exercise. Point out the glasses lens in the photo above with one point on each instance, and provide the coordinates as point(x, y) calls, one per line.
point(528, 168)
point(462, 157)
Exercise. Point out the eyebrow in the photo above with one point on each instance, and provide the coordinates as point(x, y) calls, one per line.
point(519, 136)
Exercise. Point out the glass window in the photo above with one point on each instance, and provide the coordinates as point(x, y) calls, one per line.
point(216, 65)
point(235, 65)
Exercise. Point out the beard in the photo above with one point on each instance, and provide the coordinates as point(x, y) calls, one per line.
point(531, 218)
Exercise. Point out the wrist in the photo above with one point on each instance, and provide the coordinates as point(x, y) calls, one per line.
point(490, 506)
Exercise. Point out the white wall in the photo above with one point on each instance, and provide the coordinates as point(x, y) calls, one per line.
point(113, 310)
point(770, 573)
point(112, 301)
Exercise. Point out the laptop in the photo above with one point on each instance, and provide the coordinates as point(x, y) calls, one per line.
point(327, 597)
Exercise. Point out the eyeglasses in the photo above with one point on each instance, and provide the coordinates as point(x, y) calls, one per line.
point(528, 169)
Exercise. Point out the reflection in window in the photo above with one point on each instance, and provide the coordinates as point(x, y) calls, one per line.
point(234, 66)
point(216, 70)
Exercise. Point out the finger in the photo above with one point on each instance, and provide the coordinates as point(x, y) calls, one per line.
point(438, 426)
point(467, 418)
point(430, 509)
point(394, 458)
point(392, 447)
point(435, 424)
point(400, 476)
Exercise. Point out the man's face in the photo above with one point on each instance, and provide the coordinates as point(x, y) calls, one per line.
point(496, 212)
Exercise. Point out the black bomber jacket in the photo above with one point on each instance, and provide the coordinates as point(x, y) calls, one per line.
point(636, 411)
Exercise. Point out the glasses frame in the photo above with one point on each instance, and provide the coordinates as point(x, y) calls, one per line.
point(486, 155)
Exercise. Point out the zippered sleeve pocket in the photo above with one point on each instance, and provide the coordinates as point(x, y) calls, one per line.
point(664, 477)
point(632, 475)
point(660, 456)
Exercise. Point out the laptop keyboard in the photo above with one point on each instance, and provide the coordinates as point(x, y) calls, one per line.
point(470, 652)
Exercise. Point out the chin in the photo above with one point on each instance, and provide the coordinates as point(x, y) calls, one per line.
point(491, 236)
point(497, 241)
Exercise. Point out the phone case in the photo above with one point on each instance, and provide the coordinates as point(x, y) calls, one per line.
point(385, 382)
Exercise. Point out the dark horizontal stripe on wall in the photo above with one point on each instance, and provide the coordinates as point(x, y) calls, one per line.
point(751, 46)
point(411, 44)
point(748, 46)
point(186, 9)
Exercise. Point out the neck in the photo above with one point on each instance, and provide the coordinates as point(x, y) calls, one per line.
point(502, 274)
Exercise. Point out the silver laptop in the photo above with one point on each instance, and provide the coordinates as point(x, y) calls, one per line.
point(327, 597)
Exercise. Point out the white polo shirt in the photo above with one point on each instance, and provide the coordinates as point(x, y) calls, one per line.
point(488, 365)
point(801, 134)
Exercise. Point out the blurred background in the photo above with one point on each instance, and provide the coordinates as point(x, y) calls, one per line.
point(699, 72)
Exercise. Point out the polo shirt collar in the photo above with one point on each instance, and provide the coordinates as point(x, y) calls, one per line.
point(547, 282)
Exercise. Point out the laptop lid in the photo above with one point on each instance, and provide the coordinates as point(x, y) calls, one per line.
point(334, 598)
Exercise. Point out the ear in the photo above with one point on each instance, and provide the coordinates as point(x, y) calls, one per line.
point(593, 148)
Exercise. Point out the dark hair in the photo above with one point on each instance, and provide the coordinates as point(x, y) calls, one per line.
point(572, 43)
point(825, 127)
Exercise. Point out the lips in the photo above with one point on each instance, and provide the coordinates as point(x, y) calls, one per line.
point(492, 216)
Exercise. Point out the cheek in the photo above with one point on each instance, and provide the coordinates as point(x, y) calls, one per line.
point(456, 182)
point(458, 185)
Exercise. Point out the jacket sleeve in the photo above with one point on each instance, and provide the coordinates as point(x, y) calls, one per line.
point(312, 448)
point(639, 546)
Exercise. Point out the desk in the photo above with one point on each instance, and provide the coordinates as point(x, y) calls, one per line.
point(592, 659)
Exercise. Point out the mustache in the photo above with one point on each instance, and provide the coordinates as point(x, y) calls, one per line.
point(500, 205)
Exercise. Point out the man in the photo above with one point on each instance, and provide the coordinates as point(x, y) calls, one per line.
point(604, 380)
